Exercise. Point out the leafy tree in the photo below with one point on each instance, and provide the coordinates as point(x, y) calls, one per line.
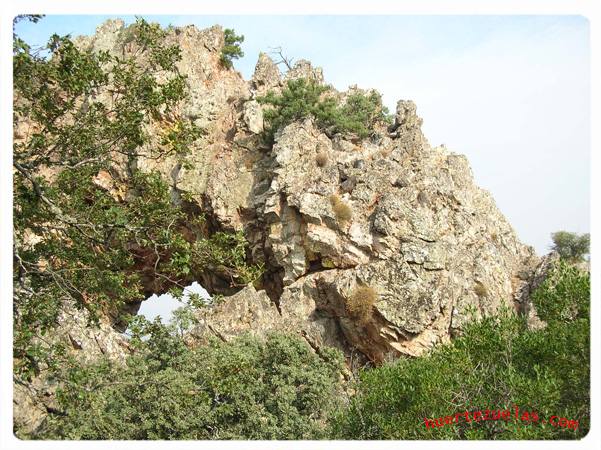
point(302, 98)
point(231, 49)
point(496, 364)
point(251, 388)
point(571, 246)
point(35, 18)
point(361, 112)
point(90, 226)
point(564, 296)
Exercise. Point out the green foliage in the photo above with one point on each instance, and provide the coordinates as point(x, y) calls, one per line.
point(571, 246)
point(225, 253)
point(89, 225)
point(276, 388)
point(564, 296)
point(231, 49)
point(299, 99)
point(360, 112)
point(496, 364)
point(302, 98)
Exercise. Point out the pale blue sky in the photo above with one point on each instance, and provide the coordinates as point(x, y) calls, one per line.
point(164, 305)
point(510, 92)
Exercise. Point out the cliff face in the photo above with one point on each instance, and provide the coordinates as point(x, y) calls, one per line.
point(429, 242)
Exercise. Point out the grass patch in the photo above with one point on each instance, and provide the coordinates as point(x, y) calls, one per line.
point(342, 211)
point(321, 159)
point(361, 302)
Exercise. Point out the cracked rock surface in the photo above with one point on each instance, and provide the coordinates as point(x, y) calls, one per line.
point(431, 244)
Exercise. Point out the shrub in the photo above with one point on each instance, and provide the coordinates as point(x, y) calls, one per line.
point(564, 296)
point(360, 304)
point(361, 112)
point(342, 211)
point(231, 49)
point(321, 159)
point(480, 289)
point(250, 388)
point(571, 246)
point(299, 99)
point(496, 364)
point(302, 98)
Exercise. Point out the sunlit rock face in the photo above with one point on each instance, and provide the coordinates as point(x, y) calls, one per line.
point(432, 245)
point(430, 242)
point(422, 234)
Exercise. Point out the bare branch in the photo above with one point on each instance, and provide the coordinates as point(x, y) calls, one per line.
point(277, 51)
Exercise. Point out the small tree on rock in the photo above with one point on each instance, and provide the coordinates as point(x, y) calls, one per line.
point(571, 246)
point(231, 50)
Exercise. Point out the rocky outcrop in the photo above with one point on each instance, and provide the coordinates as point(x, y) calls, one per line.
point(430, 242)
point(389, 212)
point(266, 76)
point(81, 340)
point(328, 215)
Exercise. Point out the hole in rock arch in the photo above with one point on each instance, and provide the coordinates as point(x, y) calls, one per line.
point(163, 305)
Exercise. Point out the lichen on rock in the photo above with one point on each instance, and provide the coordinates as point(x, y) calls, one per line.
point(421, 233)
point(415, 225)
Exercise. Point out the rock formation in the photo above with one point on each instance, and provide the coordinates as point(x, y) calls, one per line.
point(430, 243)
point(33, 401)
